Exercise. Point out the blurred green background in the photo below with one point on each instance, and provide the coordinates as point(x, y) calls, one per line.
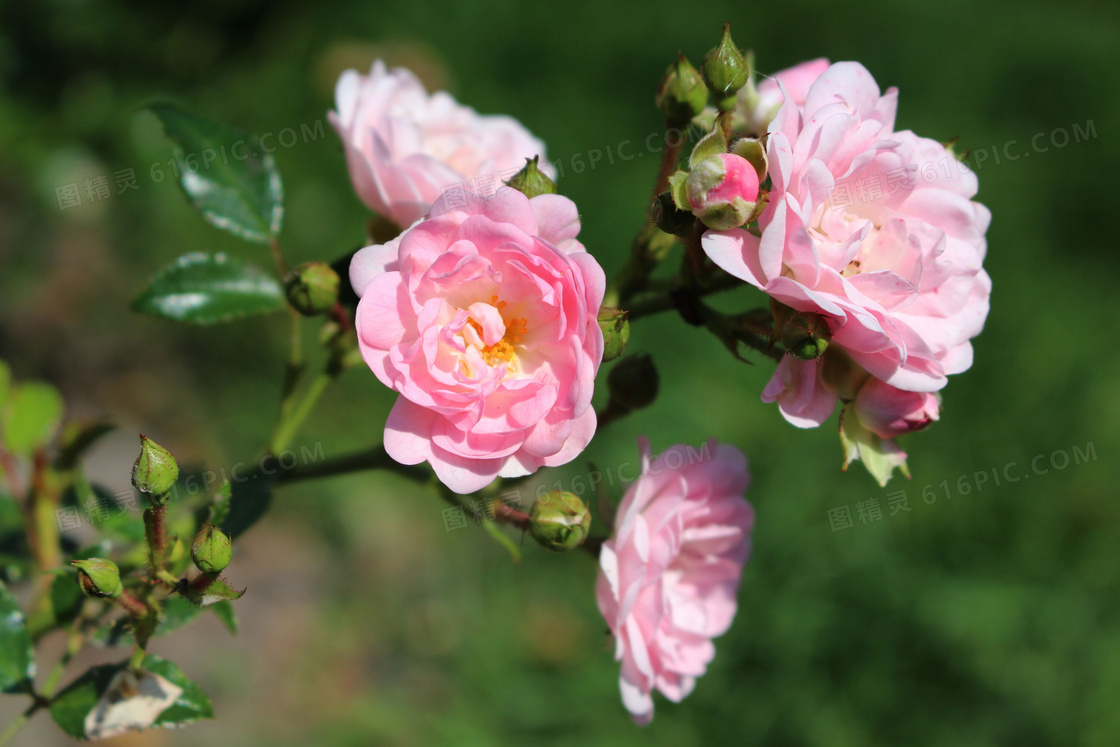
point(979, 619)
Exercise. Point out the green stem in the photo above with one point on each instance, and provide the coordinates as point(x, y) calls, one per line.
point(375, 458)
point(289, 425)
point(18, 723)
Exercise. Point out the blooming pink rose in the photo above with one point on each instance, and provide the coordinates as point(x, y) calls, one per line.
point(722, 190)
point(670, 575)
point(890, 412)
point(404, 147)
point(762, 103)
point(871, 228)
point(483, 317)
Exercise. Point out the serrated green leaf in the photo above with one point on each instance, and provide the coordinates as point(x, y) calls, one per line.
point(71, 707)
point(31, 416)
point(17, 662)
point(236, 188)
point(200, 288)
point(226, 613)
point(881, 456)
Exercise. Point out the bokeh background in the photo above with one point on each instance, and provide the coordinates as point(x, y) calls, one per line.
point(979, 619)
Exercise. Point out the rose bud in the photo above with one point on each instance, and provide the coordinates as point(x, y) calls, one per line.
point(806, 335)
point(890, 412)
point(155, 470)
point(633, 383)
point(616, 332)
point(722, 191)
point(211, 551)
point(725, 71)
point(682, 93)
point(312, 288)
point(559, 521)
point(99, 577)
point(531, 181)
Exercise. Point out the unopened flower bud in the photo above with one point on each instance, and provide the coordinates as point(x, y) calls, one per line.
point(682, 93)
point(725, 71)
point(806, 335)
point(669, 218)
point(155, 471)
point(616, 332)
point(211, 550)
point(890, 412)
point(531, 181)
point(312, 288)
point(722, 191)
point(99, 577)
point(559, 521)
point(633, 383)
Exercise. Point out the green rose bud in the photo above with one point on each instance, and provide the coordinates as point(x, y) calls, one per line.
point(312, 288)
point(99, 577)
point(806, 335)
point(616, 331)
point(531, 181)
point(682, 93)
point(211, 550)
point(633, 383)
point(725, 71)
point(155, 471)
point(559, 521)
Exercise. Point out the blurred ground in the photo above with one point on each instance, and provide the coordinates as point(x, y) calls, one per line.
point(982, 618)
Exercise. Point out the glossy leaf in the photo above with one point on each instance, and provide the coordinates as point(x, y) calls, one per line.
point(200, 288)
point(73, 705)
point(238, 189)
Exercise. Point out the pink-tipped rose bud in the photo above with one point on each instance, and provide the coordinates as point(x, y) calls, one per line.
point(891, 412)
point(723, 191)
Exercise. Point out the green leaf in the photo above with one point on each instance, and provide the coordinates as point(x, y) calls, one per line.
point(32, 416)
point(66, 597)
point(237, 189)
point(226, 613)
point(17, 663)
point(249, 500)
point(881, 456)
point(200, 288)
point(73, 705)
point(177, 613)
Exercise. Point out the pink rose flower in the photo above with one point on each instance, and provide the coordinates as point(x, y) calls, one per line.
point(890, 412)
point(483, 317)
point(722, 190)
point(670, 575)
point(761, 104)
point(404, 147)
point(871, 228)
